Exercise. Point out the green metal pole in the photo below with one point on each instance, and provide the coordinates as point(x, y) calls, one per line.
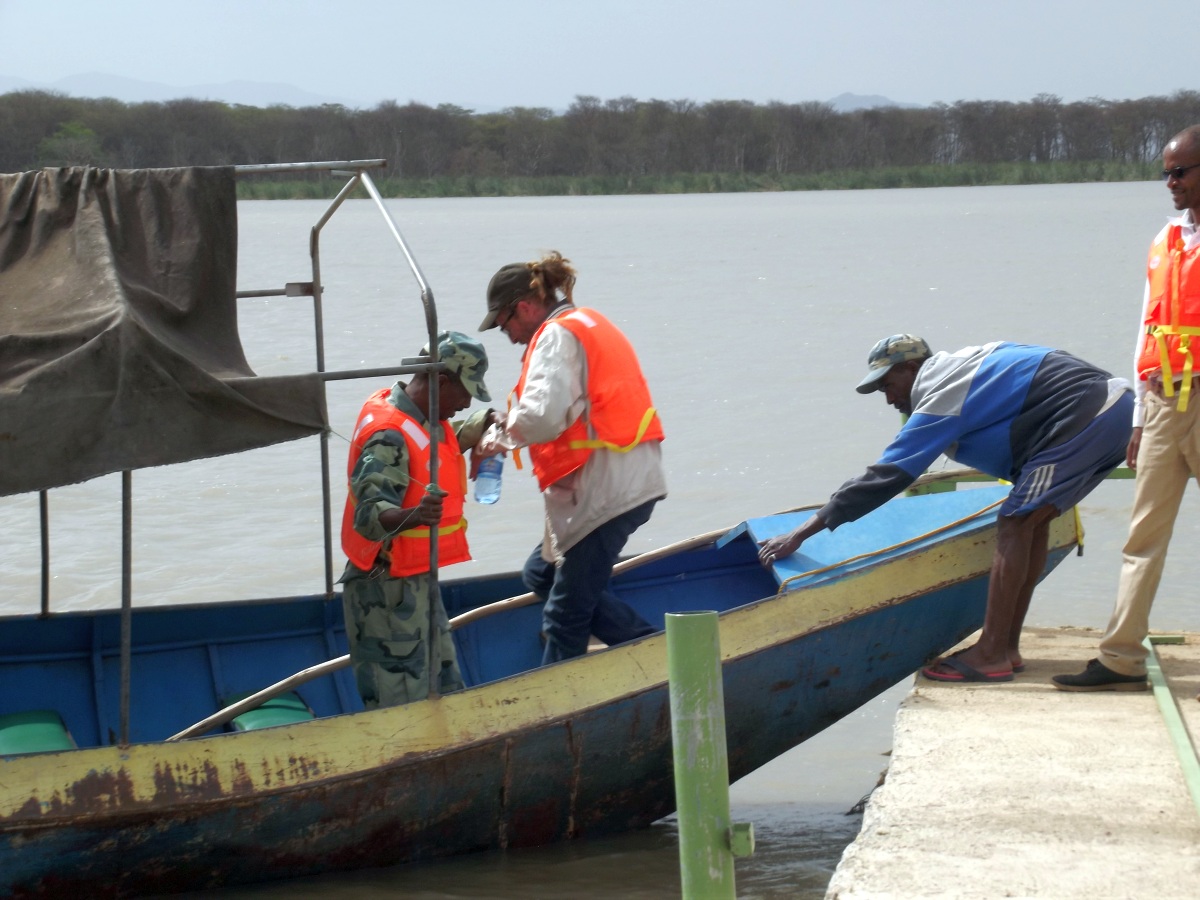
point(1177, 729)
point(708, 841)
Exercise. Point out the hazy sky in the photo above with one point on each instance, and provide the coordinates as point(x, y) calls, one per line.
point(489, 54)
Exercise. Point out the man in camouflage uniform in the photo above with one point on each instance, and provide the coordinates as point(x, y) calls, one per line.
point(387, 616)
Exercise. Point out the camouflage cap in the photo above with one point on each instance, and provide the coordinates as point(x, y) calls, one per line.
point(891, 350)
point(507, 286)
point(465, 358)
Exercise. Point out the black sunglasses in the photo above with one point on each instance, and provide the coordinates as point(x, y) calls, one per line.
point(1177, 171)
point(508, 312)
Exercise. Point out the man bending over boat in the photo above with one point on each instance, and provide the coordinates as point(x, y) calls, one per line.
point(1050, 423)
point(387, 592)
point(583, 408)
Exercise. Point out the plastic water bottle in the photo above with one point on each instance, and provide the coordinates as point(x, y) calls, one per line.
point(487, 480)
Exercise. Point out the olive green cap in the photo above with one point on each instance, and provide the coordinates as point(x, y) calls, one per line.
point(465, 358)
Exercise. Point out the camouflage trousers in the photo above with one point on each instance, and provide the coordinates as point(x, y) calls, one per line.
point(386, 623)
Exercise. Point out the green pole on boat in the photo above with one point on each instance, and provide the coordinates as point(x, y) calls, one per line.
point(708, 841)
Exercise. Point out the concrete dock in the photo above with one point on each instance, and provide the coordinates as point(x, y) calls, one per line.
point(1022, 790)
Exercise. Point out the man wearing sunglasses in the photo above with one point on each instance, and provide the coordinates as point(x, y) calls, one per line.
point(1165, 445)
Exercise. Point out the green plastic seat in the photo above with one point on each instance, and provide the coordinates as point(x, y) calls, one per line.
point(33, 731)
point(286, 709)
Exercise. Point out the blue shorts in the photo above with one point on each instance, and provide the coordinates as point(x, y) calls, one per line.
point(1064, 474)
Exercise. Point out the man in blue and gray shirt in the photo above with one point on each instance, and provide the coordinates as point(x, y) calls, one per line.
point(1050, 423)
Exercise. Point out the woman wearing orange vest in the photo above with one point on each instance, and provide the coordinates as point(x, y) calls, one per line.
point(391, 511)
point(582, 407)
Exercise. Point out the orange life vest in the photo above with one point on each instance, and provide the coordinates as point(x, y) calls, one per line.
point(408, 550)
point(620, 412)
point(1172, 313)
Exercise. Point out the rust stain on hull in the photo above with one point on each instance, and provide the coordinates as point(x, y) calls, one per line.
point(174, 785)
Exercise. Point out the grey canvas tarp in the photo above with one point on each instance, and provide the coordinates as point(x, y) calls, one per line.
point(119, 346)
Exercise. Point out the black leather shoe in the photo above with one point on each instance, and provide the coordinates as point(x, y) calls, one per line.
point(1098, 677)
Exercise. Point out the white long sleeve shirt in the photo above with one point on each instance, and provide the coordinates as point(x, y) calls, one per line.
point(609, 483)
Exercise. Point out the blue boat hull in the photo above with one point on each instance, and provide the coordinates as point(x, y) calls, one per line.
point(522, 758)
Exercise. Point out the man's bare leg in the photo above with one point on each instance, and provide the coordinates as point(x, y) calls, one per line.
point(1021, 549)
point(1039, 550)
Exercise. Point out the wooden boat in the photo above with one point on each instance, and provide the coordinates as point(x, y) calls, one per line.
point(99, 796)
point(524, 756)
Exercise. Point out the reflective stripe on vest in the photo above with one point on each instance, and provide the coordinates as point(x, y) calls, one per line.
point(1172, 314)
point(620, 413)
point(407, 552)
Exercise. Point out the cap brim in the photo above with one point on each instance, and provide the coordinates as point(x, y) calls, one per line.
point(480, 392)
point(870, 384)
point(489, 321)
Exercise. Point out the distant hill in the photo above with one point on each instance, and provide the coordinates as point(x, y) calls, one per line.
point(852, 102)
point(132, 90)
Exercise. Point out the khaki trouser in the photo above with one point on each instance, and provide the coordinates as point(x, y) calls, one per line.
point(1168, 457)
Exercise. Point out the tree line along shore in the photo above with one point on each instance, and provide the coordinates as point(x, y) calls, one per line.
point(620, 146)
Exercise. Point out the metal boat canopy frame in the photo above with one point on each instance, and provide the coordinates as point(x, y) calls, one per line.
point(125, 280)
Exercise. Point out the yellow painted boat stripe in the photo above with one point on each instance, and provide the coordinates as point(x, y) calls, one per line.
point(291, 756)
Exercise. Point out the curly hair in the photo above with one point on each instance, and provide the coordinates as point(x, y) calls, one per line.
point(550, 276)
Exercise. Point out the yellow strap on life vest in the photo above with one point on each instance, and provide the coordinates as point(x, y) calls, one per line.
point(606, 445)
point(1185, 386)
point(516, 454)
point(1160, 333)
point(422, 531)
